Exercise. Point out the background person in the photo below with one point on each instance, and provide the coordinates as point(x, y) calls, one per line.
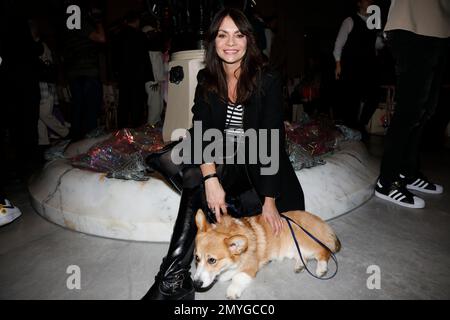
point(356, 65)
point(133, 68)
point(419, 34)
point(82, 54)
point(155, 88)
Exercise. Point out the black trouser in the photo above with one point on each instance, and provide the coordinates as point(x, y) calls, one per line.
point(131, 111)
point(360, 83)
point(19, 115)
point(87, 98)
point(420, 65)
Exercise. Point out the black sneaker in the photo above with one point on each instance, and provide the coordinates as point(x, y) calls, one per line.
point(398, 194)
point(422, 184)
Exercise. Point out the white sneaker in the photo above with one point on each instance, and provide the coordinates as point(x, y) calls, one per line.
point(8, 212)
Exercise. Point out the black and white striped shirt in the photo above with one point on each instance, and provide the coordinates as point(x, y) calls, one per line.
point(234, 122)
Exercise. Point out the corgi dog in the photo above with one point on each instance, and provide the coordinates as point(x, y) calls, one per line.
point(235, 249)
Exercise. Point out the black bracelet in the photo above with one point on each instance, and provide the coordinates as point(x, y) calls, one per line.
point(212, 175)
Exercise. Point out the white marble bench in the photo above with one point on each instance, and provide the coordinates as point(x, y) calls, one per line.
point(89, 202)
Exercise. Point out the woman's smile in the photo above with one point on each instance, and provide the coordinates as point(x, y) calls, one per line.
point(231, 44)
point(231, 51)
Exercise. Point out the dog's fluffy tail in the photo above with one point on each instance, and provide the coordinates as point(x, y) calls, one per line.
point(330, 239)
point(320, 229)
point(337, 245)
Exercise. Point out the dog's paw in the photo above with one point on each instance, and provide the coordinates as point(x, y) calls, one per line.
point(240, 281)
point(321, 273)
point(299, 266)
point(234, 292)
point(299, 269)
point(322, 268)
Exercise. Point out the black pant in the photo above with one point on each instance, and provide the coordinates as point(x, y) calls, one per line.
point(19, 113)
point(131, 111)
point(420, 65)
point(360, 83)
point(87, 98)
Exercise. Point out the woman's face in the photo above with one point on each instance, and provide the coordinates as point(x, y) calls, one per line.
point(231, 44)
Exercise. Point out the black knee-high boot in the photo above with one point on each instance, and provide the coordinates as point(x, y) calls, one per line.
point(173, 281)
point(161, 162)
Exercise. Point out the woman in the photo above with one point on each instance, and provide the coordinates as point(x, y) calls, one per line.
point(233, 81)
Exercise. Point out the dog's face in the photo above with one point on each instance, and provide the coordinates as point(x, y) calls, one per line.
point(216, 250)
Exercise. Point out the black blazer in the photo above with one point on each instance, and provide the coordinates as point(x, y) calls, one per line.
point(264, 110)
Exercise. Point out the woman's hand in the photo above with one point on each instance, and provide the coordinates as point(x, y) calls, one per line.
point(272, 216)
point(215, 197)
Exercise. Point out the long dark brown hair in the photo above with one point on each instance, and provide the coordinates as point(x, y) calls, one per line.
point(251, 64)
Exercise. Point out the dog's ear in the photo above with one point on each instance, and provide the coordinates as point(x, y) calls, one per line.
point(236, 244)
point(200, 221)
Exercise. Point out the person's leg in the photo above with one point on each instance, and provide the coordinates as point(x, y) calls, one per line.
point(411, 174)
point(77, 92)
point(135, 107)
point(352, 98)
point(371, 97)
point(4, 160)
point(148, 91)
point(46, 116)
point(138, 105)
point(26, 113)
point(47, 112)
point(160, 103)
point(123, 107)
point(438, 58)
point(93, 102)
point(414, 83)
point(161, 162)
point(5, 129)
point(173, 281)
point(416, 62)
point(8, 212)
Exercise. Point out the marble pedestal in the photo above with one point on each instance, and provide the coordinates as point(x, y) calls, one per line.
point(181, 94)
point(89, 202)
